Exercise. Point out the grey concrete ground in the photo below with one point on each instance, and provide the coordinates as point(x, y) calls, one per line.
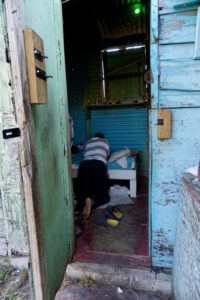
point(14, 281)
point(97, 282)
point(90, 290)
point(137, 279)
point(87, 281)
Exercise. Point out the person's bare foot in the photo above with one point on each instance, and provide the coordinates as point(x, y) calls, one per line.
point(87, 208)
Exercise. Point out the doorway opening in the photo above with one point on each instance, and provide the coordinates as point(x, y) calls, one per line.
point(108, 82)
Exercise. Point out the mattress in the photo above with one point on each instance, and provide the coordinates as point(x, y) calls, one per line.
point(124, 163)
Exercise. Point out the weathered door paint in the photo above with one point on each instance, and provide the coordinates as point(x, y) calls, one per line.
point(13, 227)
point(49, 173)
point(52, 151)
point(176, 87)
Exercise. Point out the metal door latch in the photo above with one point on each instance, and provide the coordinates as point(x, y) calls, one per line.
point(42, 74)
point(11, 133)
point(160, 122)
point(39, 55)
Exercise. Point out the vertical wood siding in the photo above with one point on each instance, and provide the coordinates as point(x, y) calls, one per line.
point(177, 85)
point(13, 227)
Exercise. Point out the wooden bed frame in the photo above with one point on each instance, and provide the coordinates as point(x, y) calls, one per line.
point(130, 175)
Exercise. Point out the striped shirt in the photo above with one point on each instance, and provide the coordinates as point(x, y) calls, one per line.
point(97, 148)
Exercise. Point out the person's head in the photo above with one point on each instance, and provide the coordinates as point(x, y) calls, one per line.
point(99, 135)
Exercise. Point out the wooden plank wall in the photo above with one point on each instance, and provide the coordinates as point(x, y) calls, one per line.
point(13, 227)
point(177, 87)
point(179, 83)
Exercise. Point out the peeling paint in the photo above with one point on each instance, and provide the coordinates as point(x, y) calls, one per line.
point(178, 89)
point(12, 208)
point(187, 255)
point(162, 245)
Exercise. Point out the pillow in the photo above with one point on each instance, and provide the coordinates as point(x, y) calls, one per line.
point(119, 154)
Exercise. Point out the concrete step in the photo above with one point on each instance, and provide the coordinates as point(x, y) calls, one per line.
point(137, 279)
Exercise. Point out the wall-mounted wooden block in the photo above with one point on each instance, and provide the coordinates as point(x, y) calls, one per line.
point(164, 122)
point(37, 84)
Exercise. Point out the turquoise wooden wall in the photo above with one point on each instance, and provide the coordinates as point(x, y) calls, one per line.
point(50, 122)
point(176, 86)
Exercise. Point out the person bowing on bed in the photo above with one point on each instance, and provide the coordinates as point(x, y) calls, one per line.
point(92, 181)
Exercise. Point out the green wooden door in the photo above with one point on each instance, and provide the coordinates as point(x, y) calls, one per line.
point(45, 155)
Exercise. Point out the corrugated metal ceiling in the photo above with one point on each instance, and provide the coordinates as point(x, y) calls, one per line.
point(97, 21)
point(117, 18)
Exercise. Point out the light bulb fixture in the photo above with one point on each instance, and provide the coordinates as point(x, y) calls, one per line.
point(137, 11)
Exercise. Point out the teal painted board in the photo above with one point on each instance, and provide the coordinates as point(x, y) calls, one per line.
point(177, 27)
point(178, 3)
point(178, 82)
point(180, 75)
point(170, 159)
point(52, 147)
point(167, 6)
point(176, 51)
point(124, 127)
point(173, 98)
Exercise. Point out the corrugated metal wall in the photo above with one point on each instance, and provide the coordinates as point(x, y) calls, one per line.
point(93, 75)
point(124, 127)
point(76, 83)
point(84, 87)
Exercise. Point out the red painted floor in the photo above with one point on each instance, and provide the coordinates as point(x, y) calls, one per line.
point(126, 245)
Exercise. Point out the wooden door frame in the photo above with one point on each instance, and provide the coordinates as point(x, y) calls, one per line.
point(15, 26)
point(154, 66)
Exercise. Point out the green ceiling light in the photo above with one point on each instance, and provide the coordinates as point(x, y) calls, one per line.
point(137, 11)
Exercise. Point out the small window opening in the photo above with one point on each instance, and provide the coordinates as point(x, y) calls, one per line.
point(122, 72)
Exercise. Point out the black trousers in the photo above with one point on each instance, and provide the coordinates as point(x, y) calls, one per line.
point(93, 183)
